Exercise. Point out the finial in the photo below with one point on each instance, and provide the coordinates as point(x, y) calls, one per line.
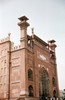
point(32, 30)
point(9, 34)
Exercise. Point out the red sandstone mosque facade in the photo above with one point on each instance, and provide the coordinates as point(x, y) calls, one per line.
point(28, 71)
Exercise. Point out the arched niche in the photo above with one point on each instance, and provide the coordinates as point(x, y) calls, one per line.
point(30, 90)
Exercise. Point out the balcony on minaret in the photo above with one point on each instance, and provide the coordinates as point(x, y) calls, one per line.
point(23, 22)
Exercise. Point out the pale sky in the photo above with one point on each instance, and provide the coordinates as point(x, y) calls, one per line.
point(48, 19)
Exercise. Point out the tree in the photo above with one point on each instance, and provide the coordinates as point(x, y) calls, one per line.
point(64, 94)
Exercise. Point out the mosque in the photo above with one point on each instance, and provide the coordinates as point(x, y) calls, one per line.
point(28, 71)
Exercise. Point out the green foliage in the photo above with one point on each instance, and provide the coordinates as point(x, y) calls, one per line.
point(63, 98)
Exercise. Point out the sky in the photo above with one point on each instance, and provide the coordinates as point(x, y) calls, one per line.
point(48, 19)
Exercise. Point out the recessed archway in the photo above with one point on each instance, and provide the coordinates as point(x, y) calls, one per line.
point(43, 83)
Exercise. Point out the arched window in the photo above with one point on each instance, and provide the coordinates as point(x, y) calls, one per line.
point(30, 89)
point(53, 81)
point(30, 74)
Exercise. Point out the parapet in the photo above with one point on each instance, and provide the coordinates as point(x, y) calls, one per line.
point(5, 39)
point(13, 48)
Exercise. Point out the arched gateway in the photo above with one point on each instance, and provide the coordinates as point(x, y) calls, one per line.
point(43, 83)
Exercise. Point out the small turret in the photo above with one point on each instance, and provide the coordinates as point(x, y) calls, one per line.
point(23, 26)
point(52, 45)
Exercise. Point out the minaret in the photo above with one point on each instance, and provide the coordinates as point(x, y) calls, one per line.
point(52, 47)
point(23, 29)
point(23, 24)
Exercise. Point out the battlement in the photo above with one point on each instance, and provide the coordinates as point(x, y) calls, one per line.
point(5, 39)
point(13, 48)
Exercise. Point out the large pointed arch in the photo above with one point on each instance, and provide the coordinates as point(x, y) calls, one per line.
point(43, 83)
